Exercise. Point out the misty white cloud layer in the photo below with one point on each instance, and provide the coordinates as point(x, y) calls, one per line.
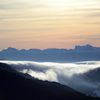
point(82, 76)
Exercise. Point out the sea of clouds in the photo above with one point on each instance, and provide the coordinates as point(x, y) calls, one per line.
point(81, 76)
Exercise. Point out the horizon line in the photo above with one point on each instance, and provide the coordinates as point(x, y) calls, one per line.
point(49, 48)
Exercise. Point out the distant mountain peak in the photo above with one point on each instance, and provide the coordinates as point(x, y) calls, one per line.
point(88, 45)
point(10, 49)
point(84, 47)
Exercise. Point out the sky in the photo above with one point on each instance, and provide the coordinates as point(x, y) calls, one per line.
point(49, 23)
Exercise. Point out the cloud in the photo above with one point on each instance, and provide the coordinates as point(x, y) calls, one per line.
point(88, 37)
point(92, 12)
point(74, 75)
point(92, 23)
point(20, 4)
point(95, 14)
point(38, 16)
point(87, 9)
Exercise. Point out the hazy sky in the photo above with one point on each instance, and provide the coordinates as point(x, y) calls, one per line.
point(49, 23)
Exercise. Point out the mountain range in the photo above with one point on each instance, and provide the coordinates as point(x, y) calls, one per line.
point(79, 53)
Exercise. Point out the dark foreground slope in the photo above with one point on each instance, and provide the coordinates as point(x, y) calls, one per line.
point(14, 86)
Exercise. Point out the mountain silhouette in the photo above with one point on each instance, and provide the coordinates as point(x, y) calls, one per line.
point(79, 53)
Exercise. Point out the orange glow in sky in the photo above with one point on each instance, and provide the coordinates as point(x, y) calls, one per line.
point(49, 23)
